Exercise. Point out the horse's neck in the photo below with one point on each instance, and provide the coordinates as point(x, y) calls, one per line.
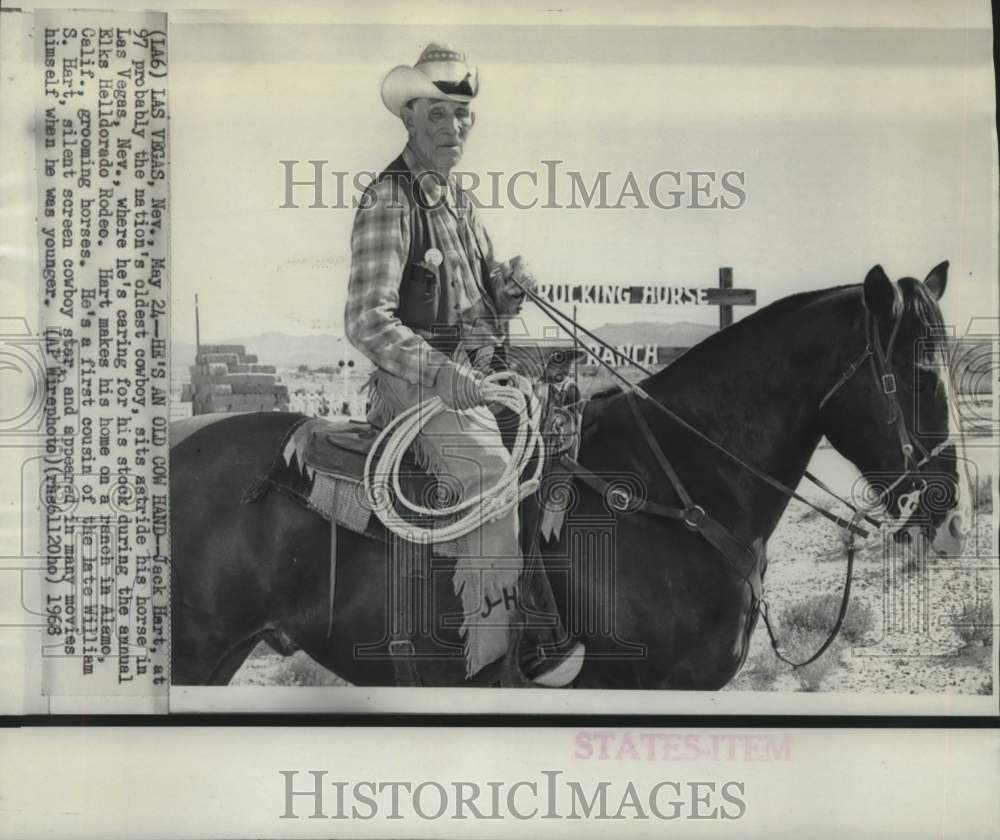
point(755, 389)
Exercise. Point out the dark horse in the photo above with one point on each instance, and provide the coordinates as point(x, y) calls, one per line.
point(669, 611)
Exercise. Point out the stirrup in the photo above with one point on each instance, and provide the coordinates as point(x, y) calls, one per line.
point(555, 670)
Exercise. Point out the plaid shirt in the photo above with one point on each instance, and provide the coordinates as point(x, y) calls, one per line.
point(380, 246)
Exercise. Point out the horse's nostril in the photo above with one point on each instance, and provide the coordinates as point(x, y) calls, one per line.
point(956, 527)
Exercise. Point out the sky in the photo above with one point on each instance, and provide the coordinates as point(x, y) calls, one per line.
point(857, 147)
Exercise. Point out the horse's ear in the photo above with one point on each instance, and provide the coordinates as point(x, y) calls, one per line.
point(880, 294)
point(937, 280)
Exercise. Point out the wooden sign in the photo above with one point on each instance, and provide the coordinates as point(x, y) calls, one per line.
point(647, 355)
point(645, 295)
point(724, 295)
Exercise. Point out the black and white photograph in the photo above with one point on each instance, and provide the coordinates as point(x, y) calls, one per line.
point(609, 386)
point(591, 360)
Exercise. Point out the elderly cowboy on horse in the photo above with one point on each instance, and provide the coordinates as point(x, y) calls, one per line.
point(427, 299)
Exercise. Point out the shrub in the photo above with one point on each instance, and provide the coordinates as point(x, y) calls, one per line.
point(973, 621)
point(761, 670)
point(798, 644)
point(982, 497)
point(801, 628)
point(816, 615)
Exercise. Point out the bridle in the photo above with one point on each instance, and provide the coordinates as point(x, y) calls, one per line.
point(878, 358)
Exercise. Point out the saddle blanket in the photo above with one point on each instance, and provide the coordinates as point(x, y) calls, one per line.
point(321, 464)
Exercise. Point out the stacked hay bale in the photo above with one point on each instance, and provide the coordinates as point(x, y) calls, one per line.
point(226, 378)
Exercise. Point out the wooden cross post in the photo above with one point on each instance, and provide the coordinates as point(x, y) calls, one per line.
point(725, 309)
point(197, 328)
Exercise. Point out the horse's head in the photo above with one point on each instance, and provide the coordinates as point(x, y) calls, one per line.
point(889, 412)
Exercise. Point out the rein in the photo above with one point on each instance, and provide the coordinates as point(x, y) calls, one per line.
point(695, 517)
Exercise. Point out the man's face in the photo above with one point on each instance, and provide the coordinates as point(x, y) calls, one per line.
point(438, 129)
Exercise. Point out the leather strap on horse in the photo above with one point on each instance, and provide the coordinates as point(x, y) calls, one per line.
point(845, 599)
point(717, 535)
point(847, 525)
point(695, 518)
point(401, 647)
point(333, 574)
point(618, 499)
point(847, 375)
point(654, 447)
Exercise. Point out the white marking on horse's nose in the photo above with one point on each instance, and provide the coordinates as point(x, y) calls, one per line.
point(956, 526)
point(908, 504)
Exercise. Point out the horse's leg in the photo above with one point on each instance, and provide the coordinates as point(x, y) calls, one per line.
point(190, 662)
point(232, 661)
point(197, 646)
point(202, 653)
point(712, 658)
point(693, 637)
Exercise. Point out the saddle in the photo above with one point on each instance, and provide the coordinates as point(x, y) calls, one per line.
point(330, 455)
point(321, 464)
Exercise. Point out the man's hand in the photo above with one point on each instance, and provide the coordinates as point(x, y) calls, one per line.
point(509, 294)
point(459, 386)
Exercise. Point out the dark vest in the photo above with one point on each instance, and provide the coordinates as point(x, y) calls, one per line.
point(426, 304)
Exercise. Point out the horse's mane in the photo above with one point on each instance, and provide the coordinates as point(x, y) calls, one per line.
point(916, 296)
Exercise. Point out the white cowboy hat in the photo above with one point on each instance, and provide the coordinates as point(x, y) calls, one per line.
point(440, 73)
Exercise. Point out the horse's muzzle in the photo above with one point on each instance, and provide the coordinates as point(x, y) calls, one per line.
point(949, 536)
point(945, 538)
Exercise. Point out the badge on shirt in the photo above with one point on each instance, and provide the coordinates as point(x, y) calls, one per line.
point(433, 257)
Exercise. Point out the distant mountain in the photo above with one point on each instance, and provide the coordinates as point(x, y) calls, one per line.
point(290, 351)
point(678, 334)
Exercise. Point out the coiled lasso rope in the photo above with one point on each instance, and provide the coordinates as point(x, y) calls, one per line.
point(381, 477)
